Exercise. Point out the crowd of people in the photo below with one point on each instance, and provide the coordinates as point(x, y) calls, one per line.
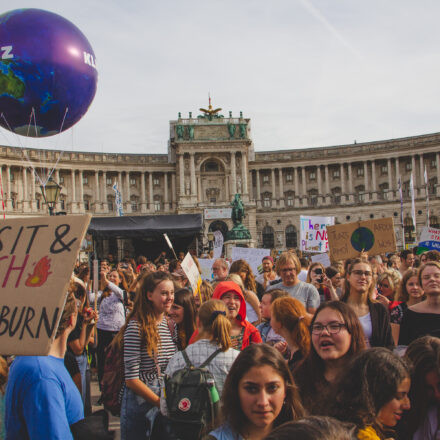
point(348, 351)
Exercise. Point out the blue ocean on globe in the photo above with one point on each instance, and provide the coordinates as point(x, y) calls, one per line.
point(48, 74)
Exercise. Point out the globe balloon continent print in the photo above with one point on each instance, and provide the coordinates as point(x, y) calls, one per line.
point(48, 74)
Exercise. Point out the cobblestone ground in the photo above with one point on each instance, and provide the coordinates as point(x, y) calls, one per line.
point(114, 421)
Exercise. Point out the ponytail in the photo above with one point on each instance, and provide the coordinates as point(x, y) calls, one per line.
point(212, 318)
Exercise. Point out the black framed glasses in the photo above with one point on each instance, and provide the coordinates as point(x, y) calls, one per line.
point(359, 273)
point(332, 328)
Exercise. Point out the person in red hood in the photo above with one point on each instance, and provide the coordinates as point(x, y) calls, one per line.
point(243, 333)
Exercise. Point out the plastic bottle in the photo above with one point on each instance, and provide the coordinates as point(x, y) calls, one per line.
point(213, 390)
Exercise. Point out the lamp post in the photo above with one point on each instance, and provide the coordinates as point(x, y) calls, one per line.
point(51, 192)
point(210, 239)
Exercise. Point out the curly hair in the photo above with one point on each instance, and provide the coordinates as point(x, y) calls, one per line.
point(255, 356)
point(369, 382)
point(292, 315)
point(243, 266)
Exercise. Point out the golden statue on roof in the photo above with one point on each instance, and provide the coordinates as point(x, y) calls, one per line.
point(210, 113)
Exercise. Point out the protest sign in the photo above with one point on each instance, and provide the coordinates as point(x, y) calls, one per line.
point(37, 256)
point(253, 256)
point(217, 213)
point(313, 233)
point(324, 259)
point(429, 239)
point(206, 268)
point(192, 273)
point(350, 239)
point(218, 244)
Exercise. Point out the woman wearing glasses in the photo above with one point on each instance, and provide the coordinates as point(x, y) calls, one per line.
point(337, 337)
point(373, 316)
point(423, 318)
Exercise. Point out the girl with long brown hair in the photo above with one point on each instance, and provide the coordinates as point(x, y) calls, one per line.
point(290, 320)
point(183, 313)
point(149, 343)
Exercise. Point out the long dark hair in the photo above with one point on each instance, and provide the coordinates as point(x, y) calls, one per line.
point(258, 355)
point(350, 268)
point(309, 375)
point(185, 299)
point(369, 382)
point(423, 355)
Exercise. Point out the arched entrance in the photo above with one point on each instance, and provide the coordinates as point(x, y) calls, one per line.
point(219, 225)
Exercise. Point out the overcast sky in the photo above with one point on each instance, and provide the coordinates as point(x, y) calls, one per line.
point(308, 73)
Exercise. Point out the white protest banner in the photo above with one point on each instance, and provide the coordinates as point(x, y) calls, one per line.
point(324, 259)
point(37, 256)
point(313, 233)
point(253, 256)
point(206, 268)
point(217, 213)
point(430, 238)
point(192, 273)
point(218, 244)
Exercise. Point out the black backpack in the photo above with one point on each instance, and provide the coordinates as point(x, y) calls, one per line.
point(192, 399)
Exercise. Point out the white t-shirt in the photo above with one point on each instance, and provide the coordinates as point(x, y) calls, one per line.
point(368, 327)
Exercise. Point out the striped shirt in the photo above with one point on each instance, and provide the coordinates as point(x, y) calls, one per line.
point(137, 362)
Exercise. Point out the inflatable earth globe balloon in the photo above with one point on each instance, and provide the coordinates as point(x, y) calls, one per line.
point(48, 73)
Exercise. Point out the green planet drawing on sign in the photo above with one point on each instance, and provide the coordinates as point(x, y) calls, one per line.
point(362, 239)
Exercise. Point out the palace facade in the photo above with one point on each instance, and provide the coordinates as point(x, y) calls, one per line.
point(211, 157)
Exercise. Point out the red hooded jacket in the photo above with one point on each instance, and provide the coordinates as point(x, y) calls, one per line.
point(251, 334)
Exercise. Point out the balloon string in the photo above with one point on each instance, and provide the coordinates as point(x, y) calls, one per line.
point(22, 149)
point(61, 152)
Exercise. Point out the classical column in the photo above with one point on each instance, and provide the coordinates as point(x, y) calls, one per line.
point(97, 198)
point(120, 187)
point(390, 180)
point(295, 180)
point(422, 191)
point(327, 180)
point(150, 191)
point(143, 201)
point(165, 192)
point(304, 183)
point(199, 190)
point(181, 175)
point(319, 180)
point(233, 174)
point(258, 197)
point(104, 191)
point(8, 181)
point(81, 189)
point(244, 179)
point(25, 189)
point(73, 190)
point(437, 163)
point(34, 207)
point(397, 172)
point(342, 174)
point(373, 180)
point(367, 189)
point(280, 176)
point(193, 175)
point(127, 192)
point(173, 190)
point(228, 197)
point(274, 197)
point(413, 170)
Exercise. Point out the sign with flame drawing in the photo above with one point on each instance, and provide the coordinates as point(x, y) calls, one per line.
point(37, 256)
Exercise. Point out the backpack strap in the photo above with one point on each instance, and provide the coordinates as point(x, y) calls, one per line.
point(187, 361)
point(210, 358)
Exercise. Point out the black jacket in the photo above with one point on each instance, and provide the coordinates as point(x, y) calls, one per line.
point(380, 321)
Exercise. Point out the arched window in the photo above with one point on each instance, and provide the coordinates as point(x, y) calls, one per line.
point(219, 225)
point(291, 237)
point(268, 237)
point(211, 166)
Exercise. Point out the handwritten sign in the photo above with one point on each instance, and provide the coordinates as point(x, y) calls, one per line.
point(313, 233)
point(430, 239)
point(350, 239)
point(324, 259)
point(37, 256)
point(192, 273)
point(253, 256)
point(218, 244)
point(206, 268)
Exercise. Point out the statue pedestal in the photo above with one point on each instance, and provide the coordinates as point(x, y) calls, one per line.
point(248, 243)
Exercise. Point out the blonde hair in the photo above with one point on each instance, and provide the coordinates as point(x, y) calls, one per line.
point(393, 279)
point(286, 258)
point(213, 319)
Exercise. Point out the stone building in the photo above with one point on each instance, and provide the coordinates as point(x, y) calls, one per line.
point(211, 157)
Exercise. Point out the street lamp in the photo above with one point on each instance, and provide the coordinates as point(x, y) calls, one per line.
point(210, 239)
point(51, 192)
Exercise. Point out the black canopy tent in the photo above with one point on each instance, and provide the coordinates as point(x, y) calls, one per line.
point(146, 232)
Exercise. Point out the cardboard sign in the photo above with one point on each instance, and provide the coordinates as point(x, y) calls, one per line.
point(192, 273)
point(430, 239)
point(37, 256)
point(350, 239)
point(324, 259)
point(313, 233)
point(253, 256)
